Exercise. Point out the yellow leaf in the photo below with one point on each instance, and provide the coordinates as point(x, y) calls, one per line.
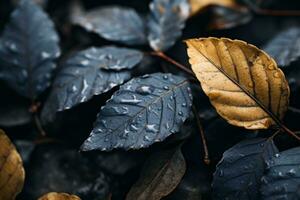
point(199, 5)
point(242, 82)
point(12, 173)
point(58, 196)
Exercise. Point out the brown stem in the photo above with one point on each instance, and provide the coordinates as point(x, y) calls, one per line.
point(283, 127)
point(276, 133)
point(206, 154)
point(34, 110)
point(171, 60)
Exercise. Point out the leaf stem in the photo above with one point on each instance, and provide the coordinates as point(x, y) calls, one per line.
point(276, 133)
point(171, 60)
point(206, 154)
point(34, 110)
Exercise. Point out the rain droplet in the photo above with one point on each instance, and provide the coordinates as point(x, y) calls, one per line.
point(183, 104)
point(74, 88)
point(45, 55)
point(180, 113)
point(85, 62)
point(166, 87)
point(277, 155)
point(151, 128)
point(134, 100)
point(165, 77)
point(145, 89)
point(146, 138)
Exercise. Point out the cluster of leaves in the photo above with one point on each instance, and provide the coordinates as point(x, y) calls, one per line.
point(145, 105)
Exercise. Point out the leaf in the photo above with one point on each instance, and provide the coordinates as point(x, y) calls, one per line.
point(226, 17)
point(161, 174)
point(12, 173)
point(199, 5)
point(238, 174)
point(166, 21)
point(118, 24)
point(58, 196)
point(281, 179)
point(285, 47)
point(84, 75)
point(28, 49)
point(143, 111)
point(242, 82)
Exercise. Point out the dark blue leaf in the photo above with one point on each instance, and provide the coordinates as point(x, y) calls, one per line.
point(28, 49)
point(285, 47)
point(143, 111)
point(84, 75)
point(166, 21)
point(118, 24)
point(239, 172)
point(282, 177)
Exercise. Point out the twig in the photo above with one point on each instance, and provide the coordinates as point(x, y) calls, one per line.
point(272, 136)
point(34, 110)
point(171, 60)
point(206, 154)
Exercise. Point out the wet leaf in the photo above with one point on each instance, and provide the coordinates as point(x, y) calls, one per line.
point(225, 17)
point(28, 49)
point(166, 21)
point(143, 111)
point(84, 75)
point(58, 196)
point(281, 179)
point(285, 47)
point(199, 5)
point(161, 174)
point(238, 174)
point(242, 82)
point(118, 24)
point(12, 173)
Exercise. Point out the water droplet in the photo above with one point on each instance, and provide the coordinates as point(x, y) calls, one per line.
point(183, 104)
point(145, 89)
point(45, 54)
point(134, 100)
point(151, 128)
point(180, 113)
point(106, 139)
point(250, 84)
point(277, 155)
point(74, 88)
point(146, 138)
point(85, 62)
point(145, 76)
point(165, 77)
point(166, 87)
point(291, 172)
point(133, 127)
point(276, 74)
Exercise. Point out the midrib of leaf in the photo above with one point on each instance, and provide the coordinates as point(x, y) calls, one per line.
point(257, 101)
point(152, 102)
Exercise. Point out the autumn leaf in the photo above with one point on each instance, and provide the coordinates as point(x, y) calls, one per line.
point(243, 83)
point(58, 196)
point(199, 5)
point(12, 173)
